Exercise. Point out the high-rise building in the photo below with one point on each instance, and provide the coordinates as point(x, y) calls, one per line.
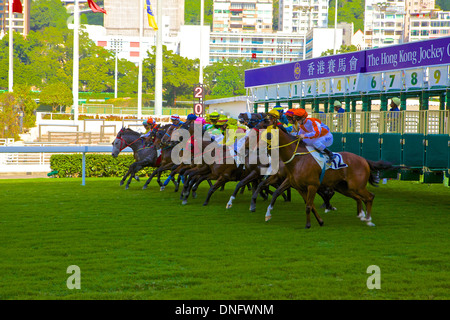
point(123, 17)
point(299, 16)
point(429, 25)
point(21, 21)
point(415, 7)
point(384, 23)
point(243, 16)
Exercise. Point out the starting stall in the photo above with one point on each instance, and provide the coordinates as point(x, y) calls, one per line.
point(414, 137)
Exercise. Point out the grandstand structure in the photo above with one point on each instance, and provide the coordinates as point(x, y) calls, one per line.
point(418, 71)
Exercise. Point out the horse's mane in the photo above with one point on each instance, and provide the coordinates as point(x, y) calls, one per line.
point(282, 128)
point(128, 131)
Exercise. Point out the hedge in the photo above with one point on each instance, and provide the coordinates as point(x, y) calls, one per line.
point(97, 165)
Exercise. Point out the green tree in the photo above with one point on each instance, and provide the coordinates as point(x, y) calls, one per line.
point(226, 78)
point(9, 116)
point(443, 4)
point(26, 104)
point(56, 95)
point(45, 13)
point(179, 74)
point(348, 11)
point(192, 12)
point(343, 49)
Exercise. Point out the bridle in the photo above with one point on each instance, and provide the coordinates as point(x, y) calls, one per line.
point(123, 142)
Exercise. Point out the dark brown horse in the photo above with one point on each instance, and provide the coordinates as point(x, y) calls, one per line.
point(127, 137)
point(303, 174)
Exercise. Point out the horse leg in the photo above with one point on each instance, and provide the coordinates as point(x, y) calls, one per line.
point(241, 184)
point(368, 201)
point(154, 173)
point(286, 184)
point(261, 185)
point(135, 167)
point(126, 175)
point(312, 190)
point(219, 183)
point(326, 194)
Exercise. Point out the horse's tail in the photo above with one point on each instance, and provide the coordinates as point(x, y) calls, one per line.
point(375, 167)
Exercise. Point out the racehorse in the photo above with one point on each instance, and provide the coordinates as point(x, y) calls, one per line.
point(130, 138)
point(304, 174)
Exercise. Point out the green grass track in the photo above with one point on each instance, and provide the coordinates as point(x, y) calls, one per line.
point(143, 244)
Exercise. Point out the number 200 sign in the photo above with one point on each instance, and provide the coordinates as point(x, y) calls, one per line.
point(198, 99)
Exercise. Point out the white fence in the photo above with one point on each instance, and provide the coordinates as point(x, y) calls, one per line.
point(10, 152)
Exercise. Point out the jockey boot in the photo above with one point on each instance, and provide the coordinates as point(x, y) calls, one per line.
point(329, 154)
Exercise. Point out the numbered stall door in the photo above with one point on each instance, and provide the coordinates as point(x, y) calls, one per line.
point(260, 94)
point(353, 84)
point(393, 81)
point(352, 142)
point(323, 87)
point(414, 79)
point(438, 77)
point(296, 90)
point(370, 146)
point(272, 93)
point(283, 91)
point(373, 82)
point(339, 87)
point(309, 88)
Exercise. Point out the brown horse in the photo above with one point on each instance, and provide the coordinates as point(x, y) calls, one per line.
point(303, 174)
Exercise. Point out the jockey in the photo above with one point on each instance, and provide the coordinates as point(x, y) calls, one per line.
point(312, 131)
point(148, 125)
point(282, 118)
point(176, 120)
point(213, 117)
point(191, 116)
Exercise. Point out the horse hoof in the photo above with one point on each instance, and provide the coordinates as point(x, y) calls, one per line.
point(162, 188)
point(184, 202)
point(229, 206)
point(136, 178)
point(371, 224)
point(205, 204)
point(126, 188)
point(267, 218)
point(144, 187)
point(252, 209)
point(308, 226)
point(194, 195)
point(321, 223)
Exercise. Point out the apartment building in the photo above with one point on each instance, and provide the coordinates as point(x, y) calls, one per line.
point(123, 17)
point(21, 21)
point(429, 25)
point(265, 48)
point(412, 7)
point(384, 23)
point(299, 16)
point(240, 16)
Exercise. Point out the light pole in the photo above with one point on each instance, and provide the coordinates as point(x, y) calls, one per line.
point(21, 114)
point(335, 27)
point(306, 9)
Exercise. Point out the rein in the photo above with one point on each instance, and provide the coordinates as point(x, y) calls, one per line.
point(122, 140)
point(295, 153)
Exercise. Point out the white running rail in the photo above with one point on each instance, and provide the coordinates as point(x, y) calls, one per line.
point(12, 150)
